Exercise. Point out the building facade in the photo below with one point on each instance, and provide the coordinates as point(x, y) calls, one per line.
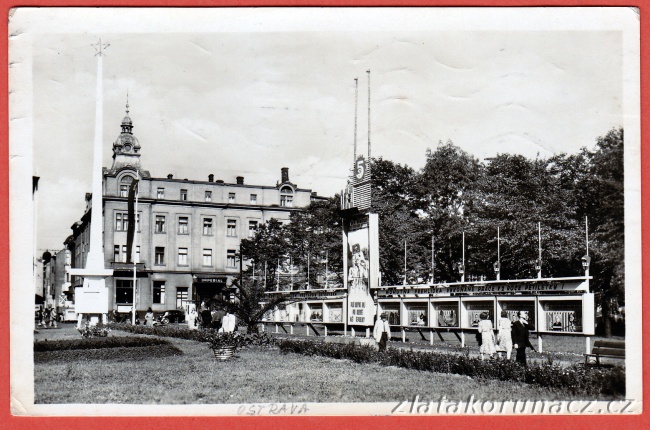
point(187, 231)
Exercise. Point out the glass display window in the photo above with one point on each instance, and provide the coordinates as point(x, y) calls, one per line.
point(446, 314)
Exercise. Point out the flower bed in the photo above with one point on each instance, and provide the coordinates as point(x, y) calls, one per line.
point(574, 379)
point(103, 348)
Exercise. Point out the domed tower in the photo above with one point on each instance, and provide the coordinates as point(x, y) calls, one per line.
point(126, 149)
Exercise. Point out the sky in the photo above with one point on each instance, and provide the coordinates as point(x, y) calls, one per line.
point(249, 93)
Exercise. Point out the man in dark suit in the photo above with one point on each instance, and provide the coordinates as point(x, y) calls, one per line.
point(520, 337)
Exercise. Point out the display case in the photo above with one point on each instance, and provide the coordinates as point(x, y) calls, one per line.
point(315, 311)
point(562, 314)
point(445, 313)
point(417, 313)
point(392, 311)
point(514, 304)
point(473, 308)
point(333, 312)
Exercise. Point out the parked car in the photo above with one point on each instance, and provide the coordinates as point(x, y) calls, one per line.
point(172, 316)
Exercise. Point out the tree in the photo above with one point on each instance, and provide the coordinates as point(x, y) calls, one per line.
point(251, 302)
point(266, 249)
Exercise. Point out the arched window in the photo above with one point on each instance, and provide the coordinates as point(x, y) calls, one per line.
point(286, 196)
point(125, 184)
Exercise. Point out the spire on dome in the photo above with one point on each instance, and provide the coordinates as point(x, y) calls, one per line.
point(127, 124)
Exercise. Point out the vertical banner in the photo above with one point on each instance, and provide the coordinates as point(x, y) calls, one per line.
point(361, 241)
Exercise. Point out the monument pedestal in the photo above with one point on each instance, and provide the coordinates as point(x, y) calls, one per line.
point(91, 300)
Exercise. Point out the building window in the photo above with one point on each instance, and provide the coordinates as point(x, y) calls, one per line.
point(116, 253)
point(181, 297)
point(124, 291)
point(160, 255)
point(208, 196)
point(231, 197)
point(159, 292)
point(161, 193)
point(286, 197)
point(123, 254)
point(231, 258)
point(183, 223)
point(207, 257)
point(121, 221)
point(207, 226)
point(125, 183)
point(182, 256)
point(137, 254)
point(231, 228)
point(160, 223)
point(183, 194)
point(252, 228)
point(253, 199)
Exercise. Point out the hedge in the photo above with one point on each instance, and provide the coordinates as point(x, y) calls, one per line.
point(575, 379)
point(97, 343)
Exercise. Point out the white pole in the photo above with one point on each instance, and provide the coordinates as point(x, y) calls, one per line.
point(462, 277)
point(326, 268)
point(405, 262)
point(539, 241)
point(587, 233)
point(433, 261)
point(498, 254)
point(134, 254)
point(308, 270)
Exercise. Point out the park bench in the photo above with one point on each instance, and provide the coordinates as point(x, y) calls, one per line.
point(605, 349)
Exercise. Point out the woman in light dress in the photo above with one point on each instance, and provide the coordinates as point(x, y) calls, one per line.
point(487, 336)
point(505, 334)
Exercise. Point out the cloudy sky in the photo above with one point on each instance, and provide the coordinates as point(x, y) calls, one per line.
point(234, 92)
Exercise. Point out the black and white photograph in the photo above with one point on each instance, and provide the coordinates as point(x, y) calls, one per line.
point(325, 211)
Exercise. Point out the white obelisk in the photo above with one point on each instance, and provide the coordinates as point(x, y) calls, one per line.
point(91, 300)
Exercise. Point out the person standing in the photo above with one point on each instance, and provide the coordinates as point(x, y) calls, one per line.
point(505, 333)
point(148, 318)
point(520, 338)
point(487, 336)
point(381, 332)
point(206, 318)
point(191, 318)
point(228, 323)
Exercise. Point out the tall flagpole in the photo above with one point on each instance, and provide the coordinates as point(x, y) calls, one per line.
point(539, 245)
point(433, 260)
point(369, 152)
point(134, 252)
point(356, 104)
point(404, 262)
point(498, 254)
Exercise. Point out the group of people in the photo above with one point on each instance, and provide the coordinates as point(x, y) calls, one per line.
point(223, 321)
point(46, 317)
point(511, 335)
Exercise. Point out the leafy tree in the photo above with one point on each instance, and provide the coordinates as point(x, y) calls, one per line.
point(251, 302)
point(266, 249)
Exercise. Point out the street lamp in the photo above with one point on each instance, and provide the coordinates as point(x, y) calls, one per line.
point(586, 260)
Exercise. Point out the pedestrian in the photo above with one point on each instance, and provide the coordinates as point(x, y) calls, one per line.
point(148, 318)
point(381, 332)
point(487, 336)
point(191, 318)
point(520, 338)
point(505, 334)
point(228, 322)
point(206, 317)
point(39, 317)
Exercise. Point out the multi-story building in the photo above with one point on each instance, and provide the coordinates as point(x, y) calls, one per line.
point(187, 231)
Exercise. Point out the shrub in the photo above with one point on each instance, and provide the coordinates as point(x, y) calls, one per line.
point(97, 343)
point(117, 353)
point(574, 379)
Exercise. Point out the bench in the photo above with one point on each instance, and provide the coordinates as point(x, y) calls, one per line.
point(605, 349)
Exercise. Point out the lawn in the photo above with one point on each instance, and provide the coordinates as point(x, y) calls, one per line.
point(256, 375)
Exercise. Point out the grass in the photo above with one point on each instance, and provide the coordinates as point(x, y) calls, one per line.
point(256, 375)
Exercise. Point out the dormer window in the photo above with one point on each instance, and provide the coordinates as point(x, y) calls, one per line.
point(125, 183)
point(286, 196)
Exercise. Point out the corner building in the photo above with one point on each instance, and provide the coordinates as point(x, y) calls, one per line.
point(187, 231)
